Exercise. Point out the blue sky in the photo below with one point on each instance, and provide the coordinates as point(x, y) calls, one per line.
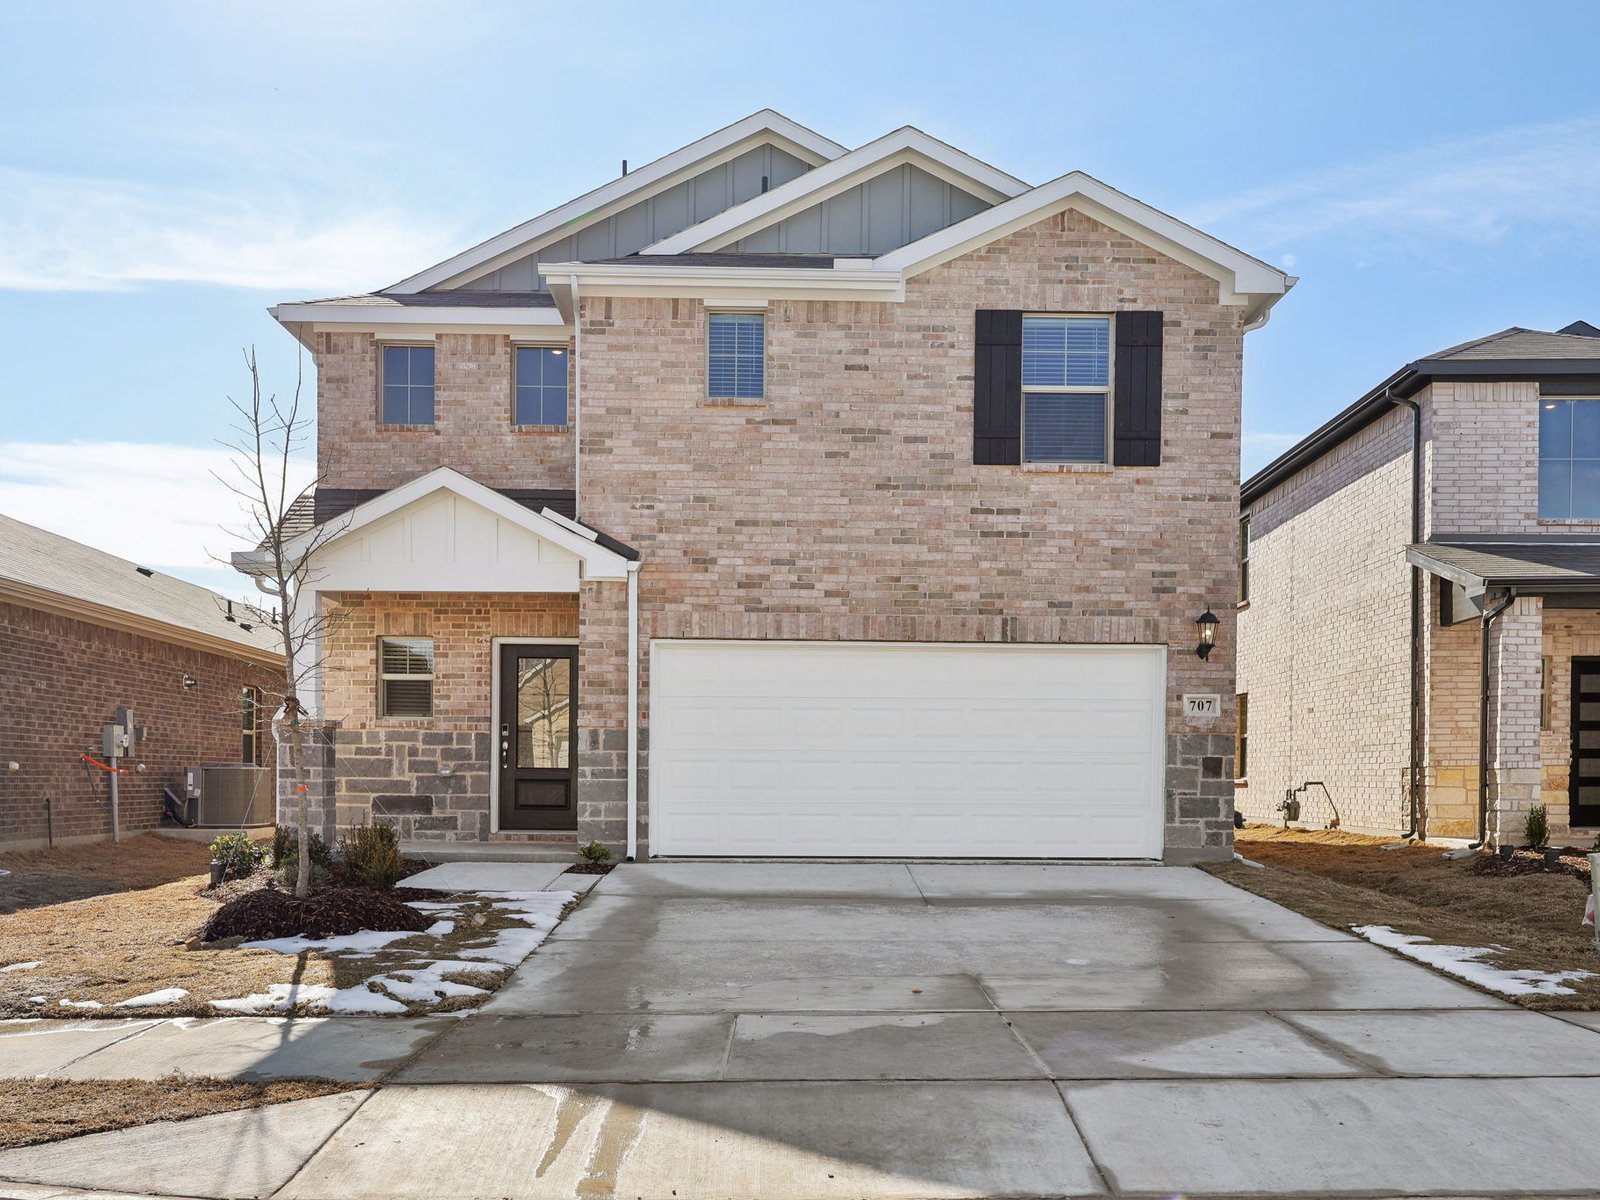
point(168, 170)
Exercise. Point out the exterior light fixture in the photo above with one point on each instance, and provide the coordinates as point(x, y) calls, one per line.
point(1208, 622)
point(189, 681)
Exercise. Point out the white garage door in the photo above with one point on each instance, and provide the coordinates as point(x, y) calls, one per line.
point(876, 749)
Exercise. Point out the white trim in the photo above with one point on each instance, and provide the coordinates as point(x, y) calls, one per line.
point(494, 715)
point(737, 287)
point(1242, 280)
point(640, 184)
point(582, 531)
point(597, 561)
point(904, 145)
point(633, 711)
point(366, 316)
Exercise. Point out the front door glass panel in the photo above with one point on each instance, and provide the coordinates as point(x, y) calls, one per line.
point(544, 712)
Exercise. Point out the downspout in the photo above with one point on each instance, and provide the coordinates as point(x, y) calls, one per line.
point(1489, 617)
point(1414, 809)
point(577, 406)
point(633, 711)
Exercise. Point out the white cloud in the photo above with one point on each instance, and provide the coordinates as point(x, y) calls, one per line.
point(67, 233)
point(157, 505)
point(1475, 190)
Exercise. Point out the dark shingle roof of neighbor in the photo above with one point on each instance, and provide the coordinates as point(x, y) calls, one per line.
point(1556, 561)
point(1514, 353)
point(1521, 344)
point(457, 299)
point(51, 563)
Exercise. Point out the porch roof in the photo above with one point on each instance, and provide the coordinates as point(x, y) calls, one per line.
point(1555, 563)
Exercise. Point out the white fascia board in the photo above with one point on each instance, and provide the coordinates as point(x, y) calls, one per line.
point(904, 145)
point(732, 285)
point(636, 185)
point(598, 562)
point(1240, 277)
point(368, 315)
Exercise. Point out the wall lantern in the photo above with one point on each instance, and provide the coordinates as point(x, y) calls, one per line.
point(189, 681)
point(1208, 622)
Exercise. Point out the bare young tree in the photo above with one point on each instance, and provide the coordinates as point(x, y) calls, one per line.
point(269, 435)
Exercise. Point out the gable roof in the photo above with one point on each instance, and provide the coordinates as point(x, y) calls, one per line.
point(1514, 353)
point(904, 145)
point(603, 557)
point(636, 185)
point(41, 568)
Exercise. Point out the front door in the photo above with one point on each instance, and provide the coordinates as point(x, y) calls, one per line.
point(1585, 787)
point(538, 706)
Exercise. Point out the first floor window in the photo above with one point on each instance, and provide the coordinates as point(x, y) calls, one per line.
point(407, 385)
point(1569, 459)
point(250, 715)
point(1066, 389)
point(405, 677)
point(541, 386)
point(1241, 743)
point(736, 363)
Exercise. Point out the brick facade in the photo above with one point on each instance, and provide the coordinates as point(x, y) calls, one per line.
point(64, 678)
point(473, 391)
point(846, 505)
point(390, 767)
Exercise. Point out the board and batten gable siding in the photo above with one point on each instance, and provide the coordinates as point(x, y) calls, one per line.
point(874, 217)
point(845, 504)
point(662, 215)
point(1324, 641)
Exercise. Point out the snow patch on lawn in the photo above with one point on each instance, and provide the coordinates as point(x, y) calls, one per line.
point(80, 1003)
point(27, 966)
point(154, 999)
point(420, 982)
point(1463, 962)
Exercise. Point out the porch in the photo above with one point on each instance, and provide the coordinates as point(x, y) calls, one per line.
point(1512, 697)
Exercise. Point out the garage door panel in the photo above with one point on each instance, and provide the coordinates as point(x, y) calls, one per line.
point(866, 749)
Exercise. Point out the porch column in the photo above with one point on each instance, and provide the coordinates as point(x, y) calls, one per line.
point(602, 767)
point(1516, 765)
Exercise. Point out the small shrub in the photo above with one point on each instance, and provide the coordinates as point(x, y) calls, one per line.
point(594, 852)
point(372, 855)
point(239, 855)
point(287, 874)
point(1537, 829)
point(286, 847)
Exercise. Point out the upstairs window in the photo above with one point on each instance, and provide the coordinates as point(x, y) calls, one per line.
point(1244, 557)
point(405, 677)
point(1569, 459)
point(736, 356)
point(541, 386)
point(1066, 389)
point(407, 385)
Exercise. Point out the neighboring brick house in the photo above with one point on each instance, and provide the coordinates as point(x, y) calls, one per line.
point(776, 499)
point(1450, 583)
point(83, 633)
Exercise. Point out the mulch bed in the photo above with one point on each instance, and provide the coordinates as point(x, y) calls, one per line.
point(591, 868)
point(331, 912)
point(1531, 862)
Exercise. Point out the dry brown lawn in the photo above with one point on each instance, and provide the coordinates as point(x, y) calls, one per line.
point(138, 936)
point(1344, 879)
point(46, 1110)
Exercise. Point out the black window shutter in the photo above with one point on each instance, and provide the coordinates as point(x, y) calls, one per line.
point(1136, 392)
point(997, 387)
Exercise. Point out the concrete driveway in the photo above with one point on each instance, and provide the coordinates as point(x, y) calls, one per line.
point(809, 1030)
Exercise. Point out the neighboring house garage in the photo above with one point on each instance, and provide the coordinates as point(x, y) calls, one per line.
point(869, 749)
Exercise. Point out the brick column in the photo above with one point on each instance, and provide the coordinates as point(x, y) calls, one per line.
point(318, 738)
point(1516, 642)
point(602, 767)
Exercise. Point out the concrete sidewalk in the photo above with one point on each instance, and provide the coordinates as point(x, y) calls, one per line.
point(756, 1031)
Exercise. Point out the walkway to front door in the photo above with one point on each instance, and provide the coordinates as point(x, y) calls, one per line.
point(538, 735)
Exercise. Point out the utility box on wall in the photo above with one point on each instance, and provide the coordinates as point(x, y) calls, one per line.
point(230, 794)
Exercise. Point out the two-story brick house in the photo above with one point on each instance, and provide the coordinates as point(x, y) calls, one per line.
point(777, 499)
point(1422, 600)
